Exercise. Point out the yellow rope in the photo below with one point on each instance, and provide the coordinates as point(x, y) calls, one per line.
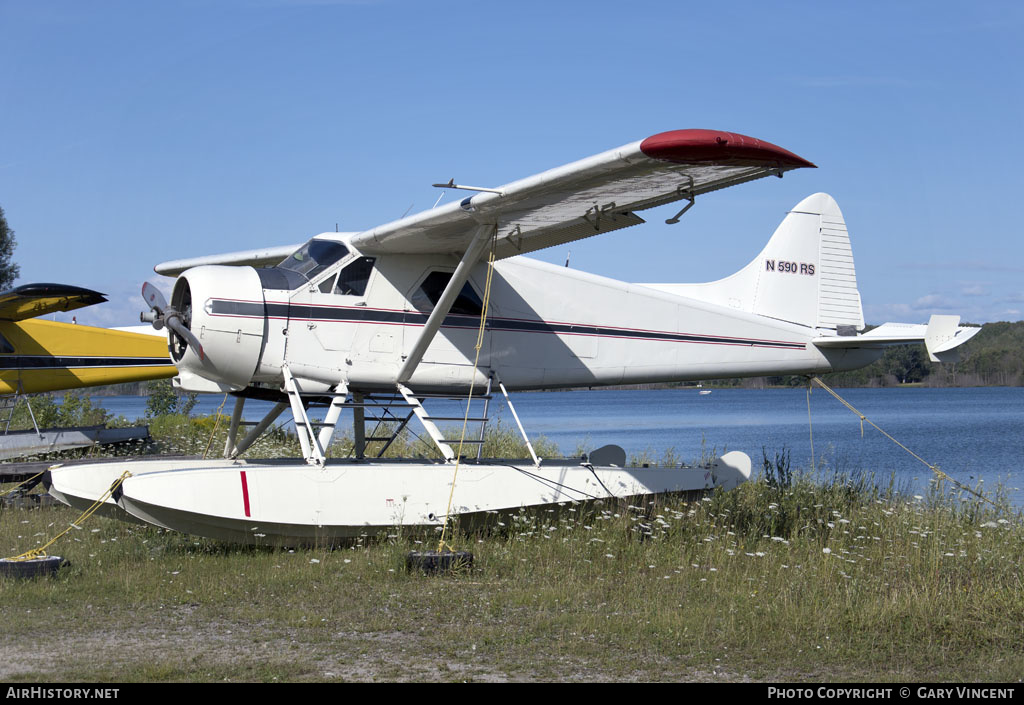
point(469, 400)
point(934, 468)
point(40, 552)
point(216, 425)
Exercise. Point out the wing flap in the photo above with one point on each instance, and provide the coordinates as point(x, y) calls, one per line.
point(559, 233)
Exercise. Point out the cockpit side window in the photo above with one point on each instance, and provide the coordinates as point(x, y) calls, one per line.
point(327, 285)
point(467, 303)
point(314, 257)
point(352, 280)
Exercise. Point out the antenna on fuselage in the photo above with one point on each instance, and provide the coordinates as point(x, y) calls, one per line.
point(567, 256)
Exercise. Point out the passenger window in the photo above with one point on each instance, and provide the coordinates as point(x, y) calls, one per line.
point(353, 279)
point(467, 303)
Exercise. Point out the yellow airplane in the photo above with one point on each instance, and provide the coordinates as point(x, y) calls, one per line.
point(44, 356)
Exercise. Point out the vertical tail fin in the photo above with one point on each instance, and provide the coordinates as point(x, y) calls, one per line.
point(804, 275)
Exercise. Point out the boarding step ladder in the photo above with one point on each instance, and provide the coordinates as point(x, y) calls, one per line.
point(445, 445)
point(7, 406)
point(377, 407)
point(314, 436)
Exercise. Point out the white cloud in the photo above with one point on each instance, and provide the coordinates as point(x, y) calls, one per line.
point(932, 302)
point(970, 310)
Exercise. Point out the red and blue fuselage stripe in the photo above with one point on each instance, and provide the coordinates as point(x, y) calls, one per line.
point(344, 314)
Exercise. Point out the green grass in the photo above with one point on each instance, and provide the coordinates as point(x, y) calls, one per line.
point(792, 577)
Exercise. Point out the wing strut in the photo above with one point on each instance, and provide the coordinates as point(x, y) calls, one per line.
point(481, 237)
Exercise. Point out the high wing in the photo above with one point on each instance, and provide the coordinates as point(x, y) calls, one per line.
point(32, 300)
point(588, 197)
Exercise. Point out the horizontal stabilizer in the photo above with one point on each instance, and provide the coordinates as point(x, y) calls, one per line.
point(941, 336)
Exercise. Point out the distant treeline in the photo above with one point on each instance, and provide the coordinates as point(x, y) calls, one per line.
point(992, 358)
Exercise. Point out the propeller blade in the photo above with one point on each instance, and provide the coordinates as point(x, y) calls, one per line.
point(154, 297)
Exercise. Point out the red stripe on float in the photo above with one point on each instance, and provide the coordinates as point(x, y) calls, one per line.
point(245, 492)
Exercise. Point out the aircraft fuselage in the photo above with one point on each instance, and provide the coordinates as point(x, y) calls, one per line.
point(547, 326)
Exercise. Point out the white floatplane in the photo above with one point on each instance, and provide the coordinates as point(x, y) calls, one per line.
point(359, 320)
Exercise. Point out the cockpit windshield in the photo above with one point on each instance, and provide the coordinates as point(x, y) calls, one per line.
point(314, 257)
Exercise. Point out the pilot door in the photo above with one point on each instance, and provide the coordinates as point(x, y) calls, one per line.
point(327, 317)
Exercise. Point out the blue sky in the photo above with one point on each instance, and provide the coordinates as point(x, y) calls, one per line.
point(134, 133)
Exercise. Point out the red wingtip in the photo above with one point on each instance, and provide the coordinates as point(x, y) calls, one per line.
point(716, 147)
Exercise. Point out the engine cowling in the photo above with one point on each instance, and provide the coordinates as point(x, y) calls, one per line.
point(224, 308)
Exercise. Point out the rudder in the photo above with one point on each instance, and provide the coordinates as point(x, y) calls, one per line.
point(804, 275)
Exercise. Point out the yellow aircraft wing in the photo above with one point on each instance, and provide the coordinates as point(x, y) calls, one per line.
point(44, 356)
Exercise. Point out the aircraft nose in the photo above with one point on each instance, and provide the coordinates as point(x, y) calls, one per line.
point(223, 308)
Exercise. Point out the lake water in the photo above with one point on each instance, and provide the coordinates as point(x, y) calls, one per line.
point(972, 434)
